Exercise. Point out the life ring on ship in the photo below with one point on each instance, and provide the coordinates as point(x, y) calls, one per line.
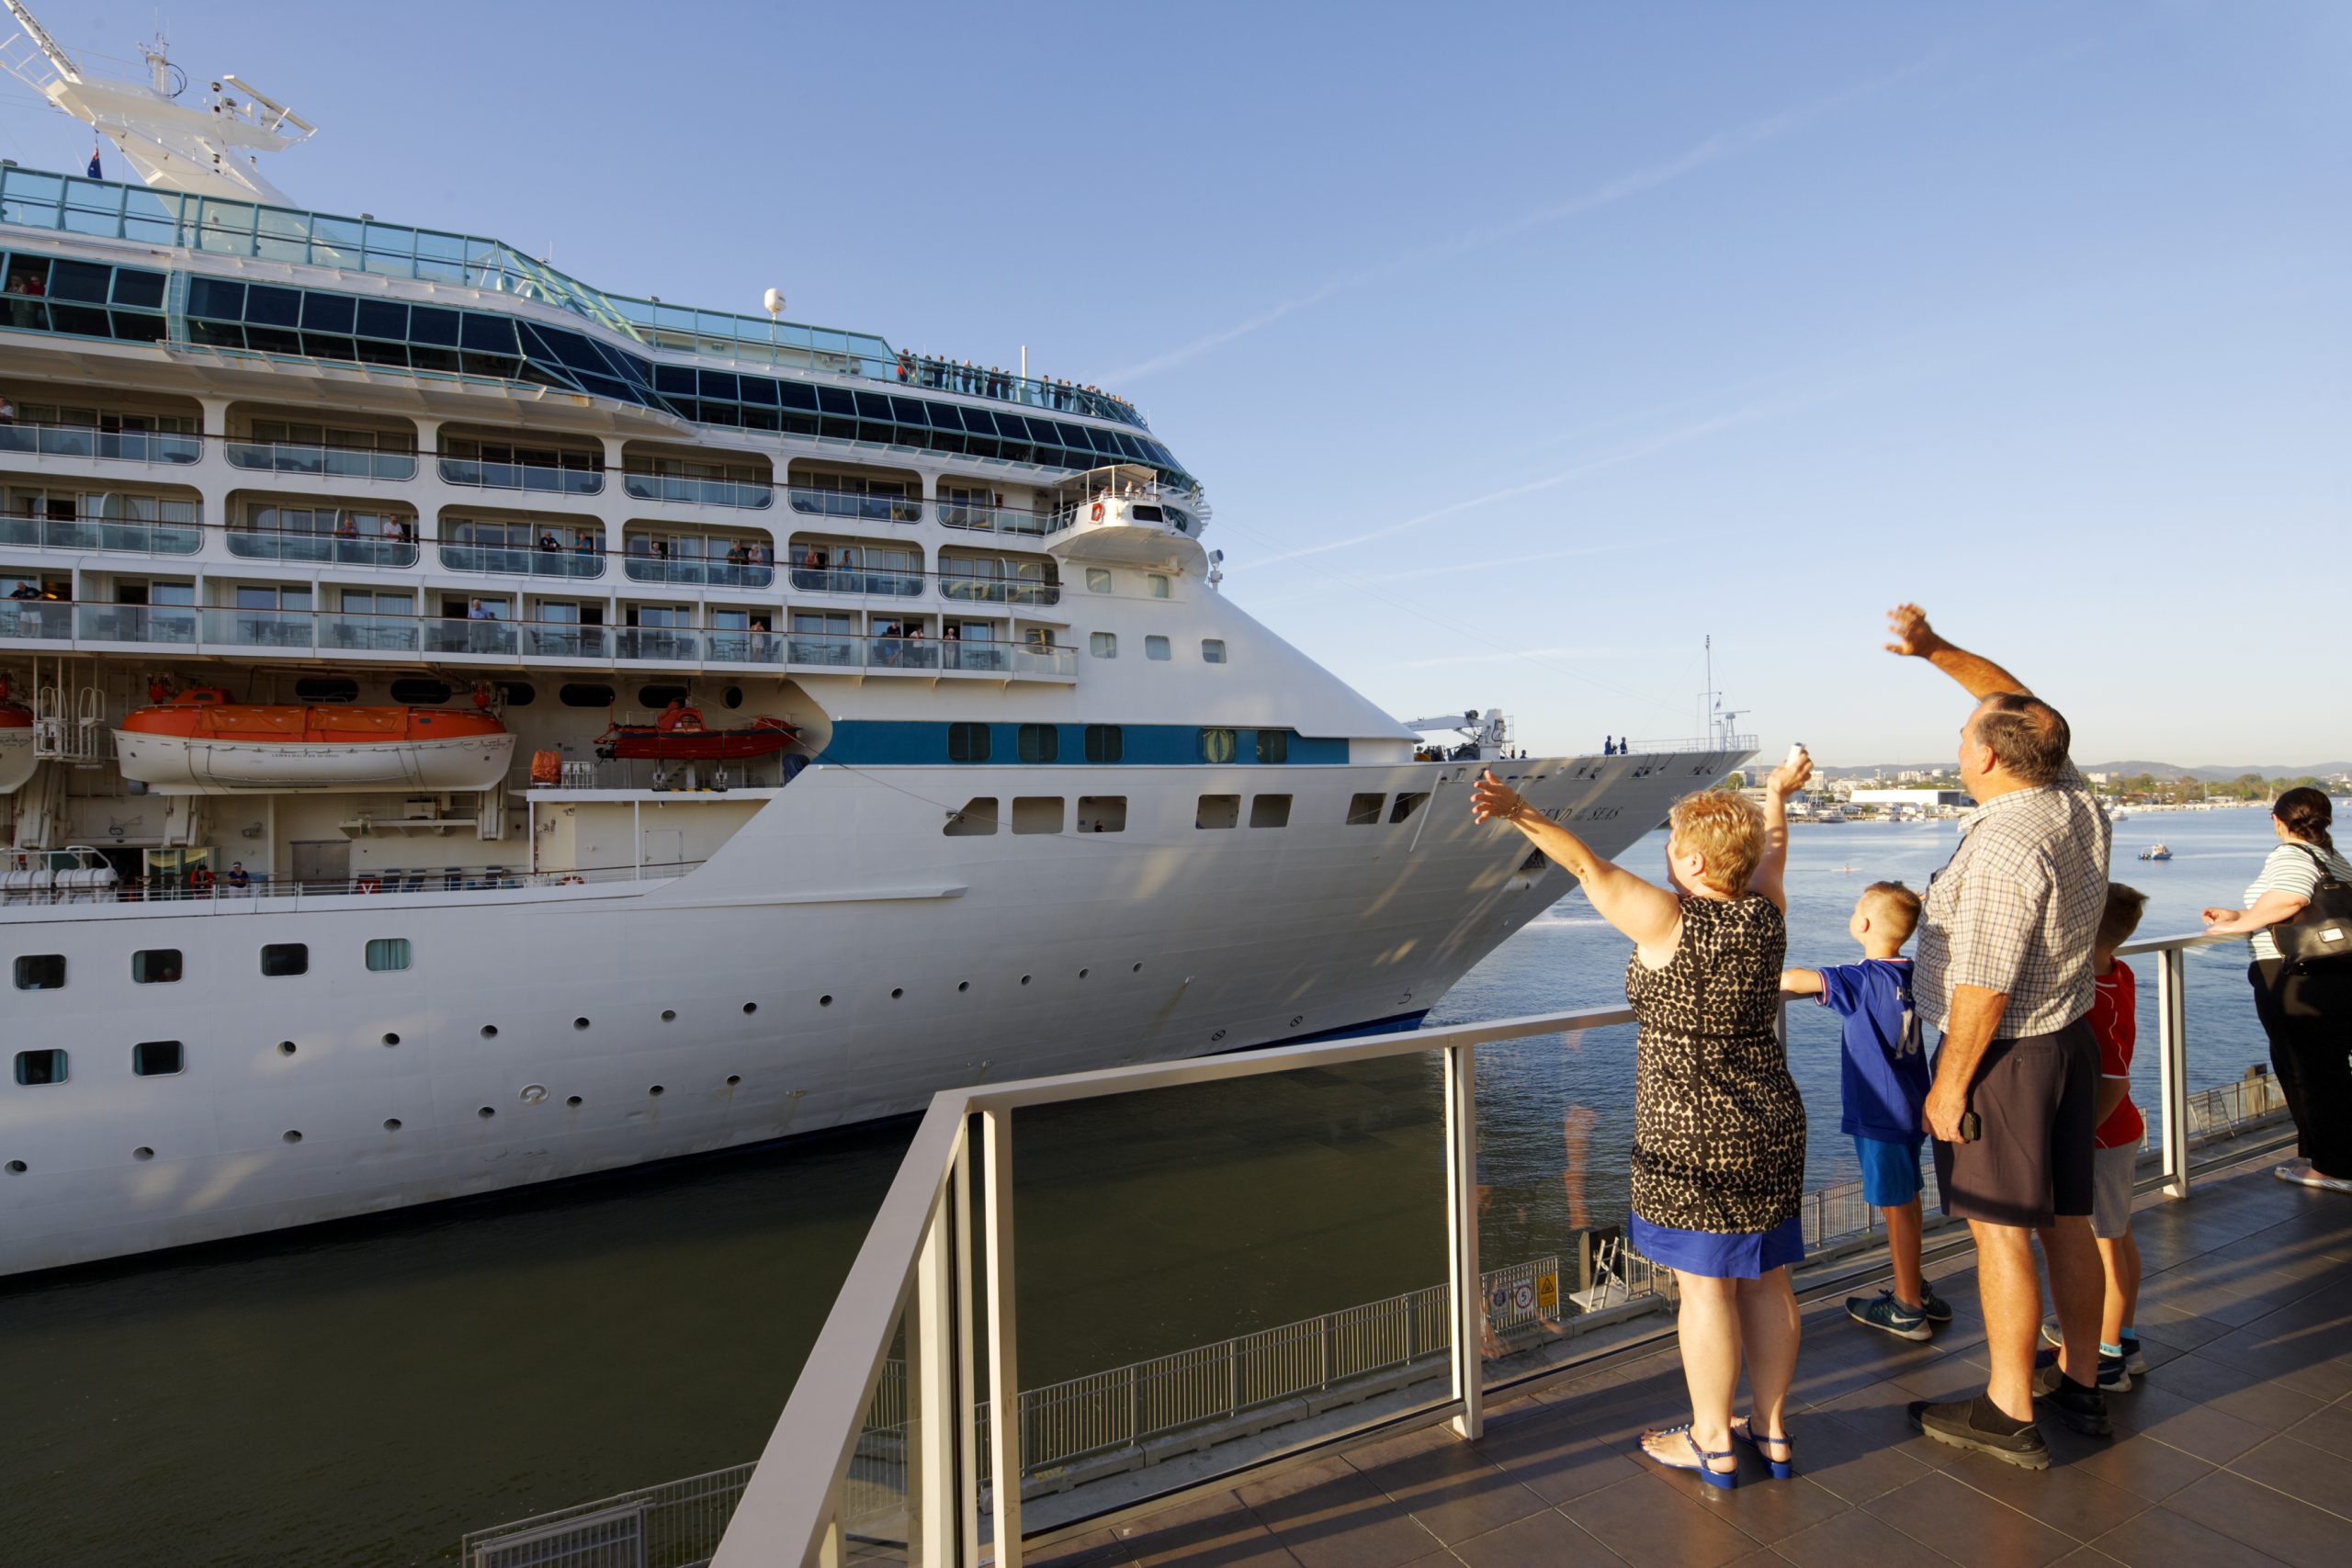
point(571, 882)
point(368, 885)
point(1097, 515)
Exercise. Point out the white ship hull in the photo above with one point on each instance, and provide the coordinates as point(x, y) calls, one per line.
point(176, 764)
point(839, 961)
point(17, 759)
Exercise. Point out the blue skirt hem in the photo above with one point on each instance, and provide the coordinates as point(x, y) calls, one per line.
point(1720, 1255)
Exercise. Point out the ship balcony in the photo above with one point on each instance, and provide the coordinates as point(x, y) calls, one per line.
point(539, 478)
point(700, 573)
point(856, 580)
point(319, 461)
point(107, 445)
point(104, 531)
point(995, 519)
point(862, 505)
point(688, 491)
point(323, 549)
point(990, 579)
point(228, 631)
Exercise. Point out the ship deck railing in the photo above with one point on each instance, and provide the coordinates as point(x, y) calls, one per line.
point(23, 890)
point(854, 1468)
point(71, 204)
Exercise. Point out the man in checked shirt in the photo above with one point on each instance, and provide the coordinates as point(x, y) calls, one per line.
point(2004, 971)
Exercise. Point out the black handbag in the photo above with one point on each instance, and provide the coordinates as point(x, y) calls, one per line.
point(2322, 931)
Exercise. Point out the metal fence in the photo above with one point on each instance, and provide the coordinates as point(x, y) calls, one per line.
point(675, 1525)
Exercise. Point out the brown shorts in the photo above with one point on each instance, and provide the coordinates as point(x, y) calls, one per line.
point(2035, 1097)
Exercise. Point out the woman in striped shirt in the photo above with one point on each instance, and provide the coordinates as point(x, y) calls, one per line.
point(2306, 1008)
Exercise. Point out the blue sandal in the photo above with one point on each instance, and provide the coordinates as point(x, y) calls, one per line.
point(1743, 1428)
point(1721, 1479)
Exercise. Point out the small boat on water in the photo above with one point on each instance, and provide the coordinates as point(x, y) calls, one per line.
point(681, 736)
point(201, 743)
point(2155, 852)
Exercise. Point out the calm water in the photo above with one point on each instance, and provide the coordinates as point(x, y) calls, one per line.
point(365, 1393)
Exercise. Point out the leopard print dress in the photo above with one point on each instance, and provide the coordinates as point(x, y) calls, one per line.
point(1718, 1126)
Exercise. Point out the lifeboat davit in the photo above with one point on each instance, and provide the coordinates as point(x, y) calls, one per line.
point(680, 735)
point(17, 758)
point(201, 743)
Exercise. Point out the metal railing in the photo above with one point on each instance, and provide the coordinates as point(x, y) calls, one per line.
point(742, 493)
point(944, 1236)
point(993, 519)
point(677, 1525)
point(698, 572)
point(858, 580)
point(90, 440)
point(855, 503)
point(540, 477)
point(523, 561)
point(95, 531)
point(339, 549)
point(333, 462)
point(19, 888)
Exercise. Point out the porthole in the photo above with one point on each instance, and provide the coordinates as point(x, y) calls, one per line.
point(750, 1008)
point(290, 1135)
point(962, 985)
point(897, 992)
point(573, 1101)
point(518, 693)
point(16, 1167)
point(1136, 970)
point(392, 1039)
point(669, 1015)
point(734, 1079)
point(1217, 1036)
point(579, 1024)
point(417, 692)
point(489, 1031)
point(584, 694)
point(731, 697)
point(326, 689)
point(486, 1113)
point(655, 1089)
point(1081, 974)
point(143, 1152)
point(285, 1047)
point(824, 1002)
point(659, 695)
point(1025, 979)
point(391, 1123)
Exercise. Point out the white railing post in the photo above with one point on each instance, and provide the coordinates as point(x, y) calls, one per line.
point(2172, 1047)
point(1004, 1371)
point(967, 1394)
point(934, 1414)
point(1462, 1236)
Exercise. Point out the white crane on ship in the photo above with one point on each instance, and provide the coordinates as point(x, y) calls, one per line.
point(198, 149)
point(1486, 734)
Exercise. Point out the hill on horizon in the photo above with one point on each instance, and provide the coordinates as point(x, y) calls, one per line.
point(2165, 771)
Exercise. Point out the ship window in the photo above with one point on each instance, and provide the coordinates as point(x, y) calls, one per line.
point(280, 959)
point(41, 972)
point(1406, 805)
point(1158, 584)
point(1102, 645)
point(1155, 648)
point(660, 697)
point(1217, 811)
point(1216, 745)
point(1039, 743)
point(1212, 650)
point(1101, 813)
point(155, 966)
point(1270, 811)
point(1105, 744)
point(582, 695)
point(327, 689)
point(968, 742)
point(1038, 814)
point(1143, 513)
point(157, 1058)
point(518, 693)
point(1363, 810)
point(41, 1066)
point(977, 819)
point(1273, 746)
point(1098, 579)
point(422, 693)
point(387, 952)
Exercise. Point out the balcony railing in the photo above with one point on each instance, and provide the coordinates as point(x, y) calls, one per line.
point(857, 580)
point(332, 462)
point(87, 441)
point(969, 589)
point(137, 623)
point(523, 561)
point(698, 492)
point(336, 549)
point(538, 477)
point(704, 573)
point(93, 531)
point(854, 503)
point(993, 519)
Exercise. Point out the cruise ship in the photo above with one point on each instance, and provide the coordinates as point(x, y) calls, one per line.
point(465, 729)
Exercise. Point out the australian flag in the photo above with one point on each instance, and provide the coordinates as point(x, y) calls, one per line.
point(96, 173)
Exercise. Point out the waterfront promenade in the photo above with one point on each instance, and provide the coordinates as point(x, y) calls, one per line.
point(2236, 1449)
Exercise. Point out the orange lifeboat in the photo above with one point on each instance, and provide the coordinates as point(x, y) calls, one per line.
point(201, 743)
point(679, 735)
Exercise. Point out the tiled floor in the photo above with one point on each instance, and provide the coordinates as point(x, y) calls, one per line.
point(2235, 1448)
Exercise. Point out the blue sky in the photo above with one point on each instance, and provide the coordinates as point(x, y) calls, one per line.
point(1520, 349)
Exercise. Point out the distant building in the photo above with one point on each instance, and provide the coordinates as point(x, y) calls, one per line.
point(2100, 778)
point(1916, 799)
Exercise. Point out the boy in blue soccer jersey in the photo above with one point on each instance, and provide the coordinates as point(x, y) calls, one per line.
point(1883, 1079)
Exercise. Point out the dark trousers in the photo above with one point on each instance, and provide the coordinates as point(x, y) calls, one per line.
point(2307, 1012)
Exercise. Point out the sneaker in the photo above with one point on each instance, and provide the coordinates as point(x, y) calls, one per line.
point(2083, 1409)
point(1884, 1312)
point(1938, 1310)
point(2114, 1371)
point(2133, 1361)
point(1978, 1424)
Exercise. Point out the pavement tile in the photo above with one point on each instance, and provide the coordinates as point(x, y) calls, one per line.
point(2329, 1428)
point(1558, 1461)
point(1651, 1527)
point(2066, 1497)
point(1856, 1539)
point(2161, 1539)
point(1548, 1540)
point(1095, 1551)
point(2191, 1427)
point(1853, 1463)
point(1329, 1515)
point(1452, 1492)
point(1949, 1517)
point(1762, 1509)
point(1880, 1413)
point(2269, 1405)
point(1216, 1532)
point(2142, 1466)
point(2310, 1475)
point(2269, 1521)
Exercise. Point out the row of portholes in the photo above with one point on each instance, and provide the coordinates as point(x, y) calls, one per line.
point(391, 1123)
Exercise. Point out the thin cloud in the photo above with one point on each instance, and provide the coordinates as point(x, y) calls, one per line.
point(1714, 148)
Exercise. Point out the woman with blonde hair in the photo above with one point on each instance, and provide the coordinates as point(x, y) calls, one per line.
point(1719, 1129)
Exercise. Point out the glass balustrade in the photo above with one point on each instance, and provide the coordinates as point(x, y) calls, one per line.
point(280, 629)
point(444, 635)
point(87, 441)
point(523, 561)
point(855, 503)
point(538, 477)
point(336, 549)
point(91, 531)
point(670, 645)
point(993, 519)
point(565, 639)
point(136, 623)
point(367, 633)
point(972, 588)
point(697, 492)
point(708, 573)
point(37, 620)
point(333, 462)
point(856, 580)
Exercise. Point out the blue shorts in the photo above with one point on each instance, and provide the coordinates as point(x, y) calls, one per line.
point(1720, 1255)
point(1890, 1171)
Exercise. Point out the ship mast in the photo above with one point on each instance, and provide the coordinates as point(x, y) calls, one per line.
point(208, 148)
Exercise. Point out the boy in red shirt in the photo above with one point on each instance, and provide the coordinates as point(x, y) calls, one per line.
point(2114, 1021)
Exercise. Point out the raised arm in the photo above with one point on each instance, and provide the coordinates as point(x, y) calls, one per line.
point(1914, 638)
point(1650, 915)
point(1770, 872)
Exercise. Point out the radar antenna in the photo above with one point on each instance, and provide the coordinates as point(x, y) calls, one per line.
point(208, 149)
